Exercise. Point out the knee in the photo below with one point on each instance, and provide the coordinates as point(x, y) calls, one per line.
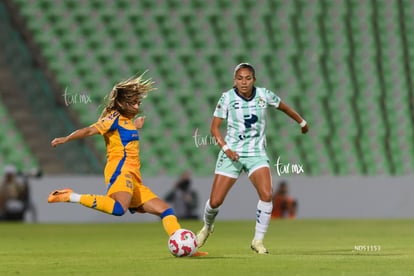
point(118, 210)
point(266, 196)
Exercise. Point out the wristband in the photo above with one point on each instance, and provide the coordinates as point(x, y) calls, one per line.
point(303, 123)
point(225, 147)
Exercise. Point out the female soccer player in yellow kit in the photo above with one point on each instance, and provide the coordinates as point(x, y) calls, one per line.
point(124, 187)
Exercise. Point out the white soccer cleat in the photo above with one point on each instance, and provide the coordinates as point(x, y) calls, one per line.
point(203, 235)
point(258, 247)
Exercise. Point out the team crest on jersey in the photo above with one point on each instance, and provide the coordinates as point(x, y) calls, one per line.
point(113, 115)
point(110, 116)
point(261, 102)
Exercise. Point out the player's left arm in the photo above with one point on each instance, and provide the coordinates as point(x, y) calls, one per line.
point(294, 115)
point(215, 131)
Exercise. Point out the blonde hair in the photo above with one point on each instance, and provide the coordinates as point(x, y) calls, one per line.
point(125, 94)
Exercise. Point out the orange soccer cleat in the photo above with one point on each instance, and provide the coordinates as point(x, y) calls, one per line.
point(59, 196)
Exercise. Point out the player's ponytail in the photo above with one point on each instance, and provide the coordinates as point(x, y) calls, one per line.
point(127, 93)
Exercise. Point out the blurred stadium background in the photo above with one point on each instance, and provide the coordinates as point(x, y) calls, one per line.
point(345, 65)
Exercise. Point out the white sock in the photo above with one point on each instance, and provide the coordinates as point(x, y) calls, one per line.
point(263, 212)
point(209, 214)
point(74, 197)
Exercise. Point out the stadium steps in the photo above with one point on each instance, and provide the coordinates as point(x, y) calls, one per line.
point(29, 80)
point(27, 124)
point(12, 147)
point(18, 110)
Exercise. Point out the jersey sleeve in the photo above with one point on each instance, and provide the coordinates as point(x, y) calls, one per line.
point(272, 99)
point(106, 124)
point(221, 107)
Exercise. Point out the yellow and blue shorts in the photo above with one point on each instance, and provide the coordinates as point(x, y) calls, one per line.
point(127, 178)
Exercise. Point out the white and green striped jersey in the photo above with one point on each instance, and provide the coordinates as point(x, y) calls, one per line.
point(246, 119)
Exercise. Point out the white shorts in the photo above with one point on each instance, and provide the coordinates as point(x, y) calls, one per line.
point(225, 166)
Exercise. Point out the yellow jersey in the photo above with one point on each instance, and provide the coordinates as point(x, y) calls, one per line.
point(122, 170)
point(121, 139)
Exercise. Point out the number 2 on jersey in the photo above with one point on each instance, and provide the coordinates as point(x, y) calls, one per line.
point(249, 120)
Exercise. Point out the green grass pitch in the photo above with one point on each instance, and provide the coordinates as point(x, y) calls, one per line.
point(297, 247)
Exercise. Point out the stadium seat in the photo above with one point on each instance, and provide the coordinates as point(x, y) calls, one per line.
point(320, 58)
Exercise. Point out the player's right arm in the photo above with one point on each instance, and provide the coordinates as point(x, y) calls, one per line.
point(77, 134)
point(215, 131)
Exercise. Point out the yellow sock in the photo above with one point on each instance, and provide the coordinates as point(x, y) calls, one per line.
point(102, 203)
point(170, 221)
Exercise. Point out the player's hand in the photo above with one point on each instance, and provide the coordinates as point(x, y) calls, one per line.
point(58, 141)
point(305, 129)
point(234, 156)
point(139, 122)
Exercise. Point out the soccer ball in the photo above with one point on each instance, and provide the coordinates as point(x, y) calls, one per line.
point(182, 243)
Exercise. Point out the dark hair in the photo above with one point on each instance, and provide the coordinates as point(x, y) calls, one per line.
point(244, 65)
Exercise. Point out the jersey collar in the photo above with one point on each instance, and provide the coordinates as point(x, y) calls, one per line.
point(243, 98)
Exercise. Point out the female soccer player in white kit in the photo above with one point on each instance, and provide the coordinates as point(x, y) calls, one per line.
point(243, 149)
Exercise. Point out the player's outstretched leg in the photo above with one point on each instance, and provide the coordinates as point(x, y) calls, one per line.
point(101, 203)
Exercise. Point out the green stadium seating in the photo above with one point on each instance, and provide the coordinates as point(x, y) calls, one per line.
point(12, 146)
point(341, 64)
